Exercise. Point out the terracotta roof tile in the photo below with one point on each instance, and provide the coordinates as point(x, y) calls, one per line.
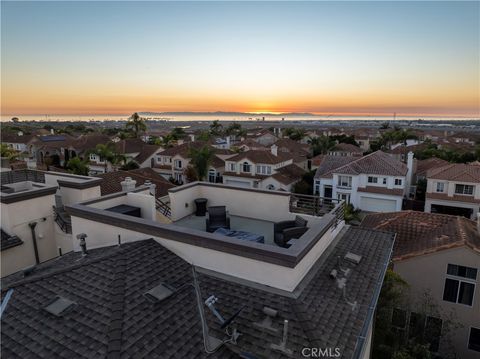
point(382, 190)
point(262, 157)
point(420, 233)
point(376, 163)
point(425, 165)
point(456, 172)
point(330, 163)
point(112, 180)
point(455, 197)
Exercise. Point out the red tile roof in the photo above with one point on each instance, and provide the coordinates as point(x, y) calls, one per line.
point(455, 197)
point(330, 163)
point(425, 165)
point(262, 157)
point(346, 147)
point(289, 174)
point(382, 190)
point(420, 233)
point(458, 172)
point(112, 180)
point(146, 152)
point(376, 163)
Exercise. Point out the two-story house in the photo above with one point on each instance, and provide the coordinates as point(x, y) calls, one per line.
point(251, 169)
point(172, 162)
point(444, 301)
point(454, 189)
point(374, 183)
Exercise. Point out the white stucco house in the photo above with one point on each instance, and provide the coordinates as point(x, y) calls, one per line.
point(373, 183)
point(261, 169)
point(454, 189)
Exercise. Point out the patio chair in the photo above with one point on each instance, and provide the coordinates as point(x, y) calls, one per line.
point(217, 218)
point(284, 231)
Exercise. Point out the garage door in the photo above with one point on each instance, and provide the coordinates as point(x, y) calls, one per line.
point(237, 183)
point(377, 204)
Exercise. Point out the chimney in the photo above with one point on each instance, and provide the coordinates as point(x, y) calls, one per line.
point(83, 244)
point(180, 142)
point(228, 142)
point(274, 150)
point(128, 185)
point(52, 131)
point(192, 137)
point(151, 186)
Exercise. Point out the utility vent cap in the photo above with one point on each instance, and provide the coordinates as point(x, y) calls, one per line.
point(60, 306)
point(352, 257)
point(159, 293)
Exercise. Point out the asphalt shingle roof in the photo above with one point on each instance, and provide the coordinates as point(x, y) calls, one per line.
point(113, 318)
point(9, 241)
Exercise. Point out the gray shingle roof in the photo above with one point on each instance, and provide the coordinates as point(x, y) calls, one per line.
point(113, 318)
point(9, 241)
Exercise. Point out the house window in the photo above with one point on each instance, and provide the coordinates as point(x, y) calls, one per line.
point(178, 164)
point(93, 156)
point(384, 180)
point(245, 167)
point(344, 181)
point(271, 187)
point(440, 186)
point(372, 179)
point(232, 167)
point(460, 284)
point(264, 170)
point(474, 339)
point(399, 318)
point(398, 181)
point(344, 197)
point(464, 189)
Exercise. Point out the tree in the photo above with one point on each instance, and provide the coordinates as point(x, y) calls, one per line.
point(305, 186)
point(235, 129)
point(8, 152)
point(15, 120)
point(77, 166)
point(167, 141)
point(385, 125)
point(200, 160)
point(204, 136)
point(136, 125)
point(178, 133)
point(216, 128)
point(191, 174)
point(321, 144)
point(105, 152)
point(295, 134)
point(130, 165)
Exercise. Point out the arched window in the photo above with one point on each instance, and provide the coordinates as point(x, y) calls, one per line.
point(271, 187)
point(245, 167)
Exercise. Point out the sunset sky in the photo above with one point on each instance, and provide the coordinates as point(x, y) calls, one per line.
point(320, 57)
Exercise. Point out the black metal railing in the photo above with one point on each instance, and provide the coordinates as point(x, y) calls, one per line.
point(163, 208)
point(339, 212)
point(311, 205)
point(62, 219)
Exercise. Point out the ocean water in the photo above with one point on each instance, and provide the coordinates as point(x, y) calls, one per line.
point(222, 117)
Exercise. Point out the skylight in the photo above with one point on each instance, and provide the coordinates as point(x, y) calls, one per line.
point(60, 306)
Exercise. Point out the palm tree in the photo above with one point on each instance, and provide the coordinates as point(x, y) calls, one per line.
point(130, 165)
point(200, 159)
point(77, 166)
point(216, 128)
point(321, 144)
point(167, 141)
point(136, 125)
point(105, 152)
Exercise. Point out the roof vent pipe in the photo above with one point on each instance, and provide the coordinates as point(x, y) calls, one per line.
point(83, 243)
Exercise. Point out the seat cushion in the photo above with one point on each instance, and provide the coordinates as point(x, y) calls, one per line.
point(300, 222)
